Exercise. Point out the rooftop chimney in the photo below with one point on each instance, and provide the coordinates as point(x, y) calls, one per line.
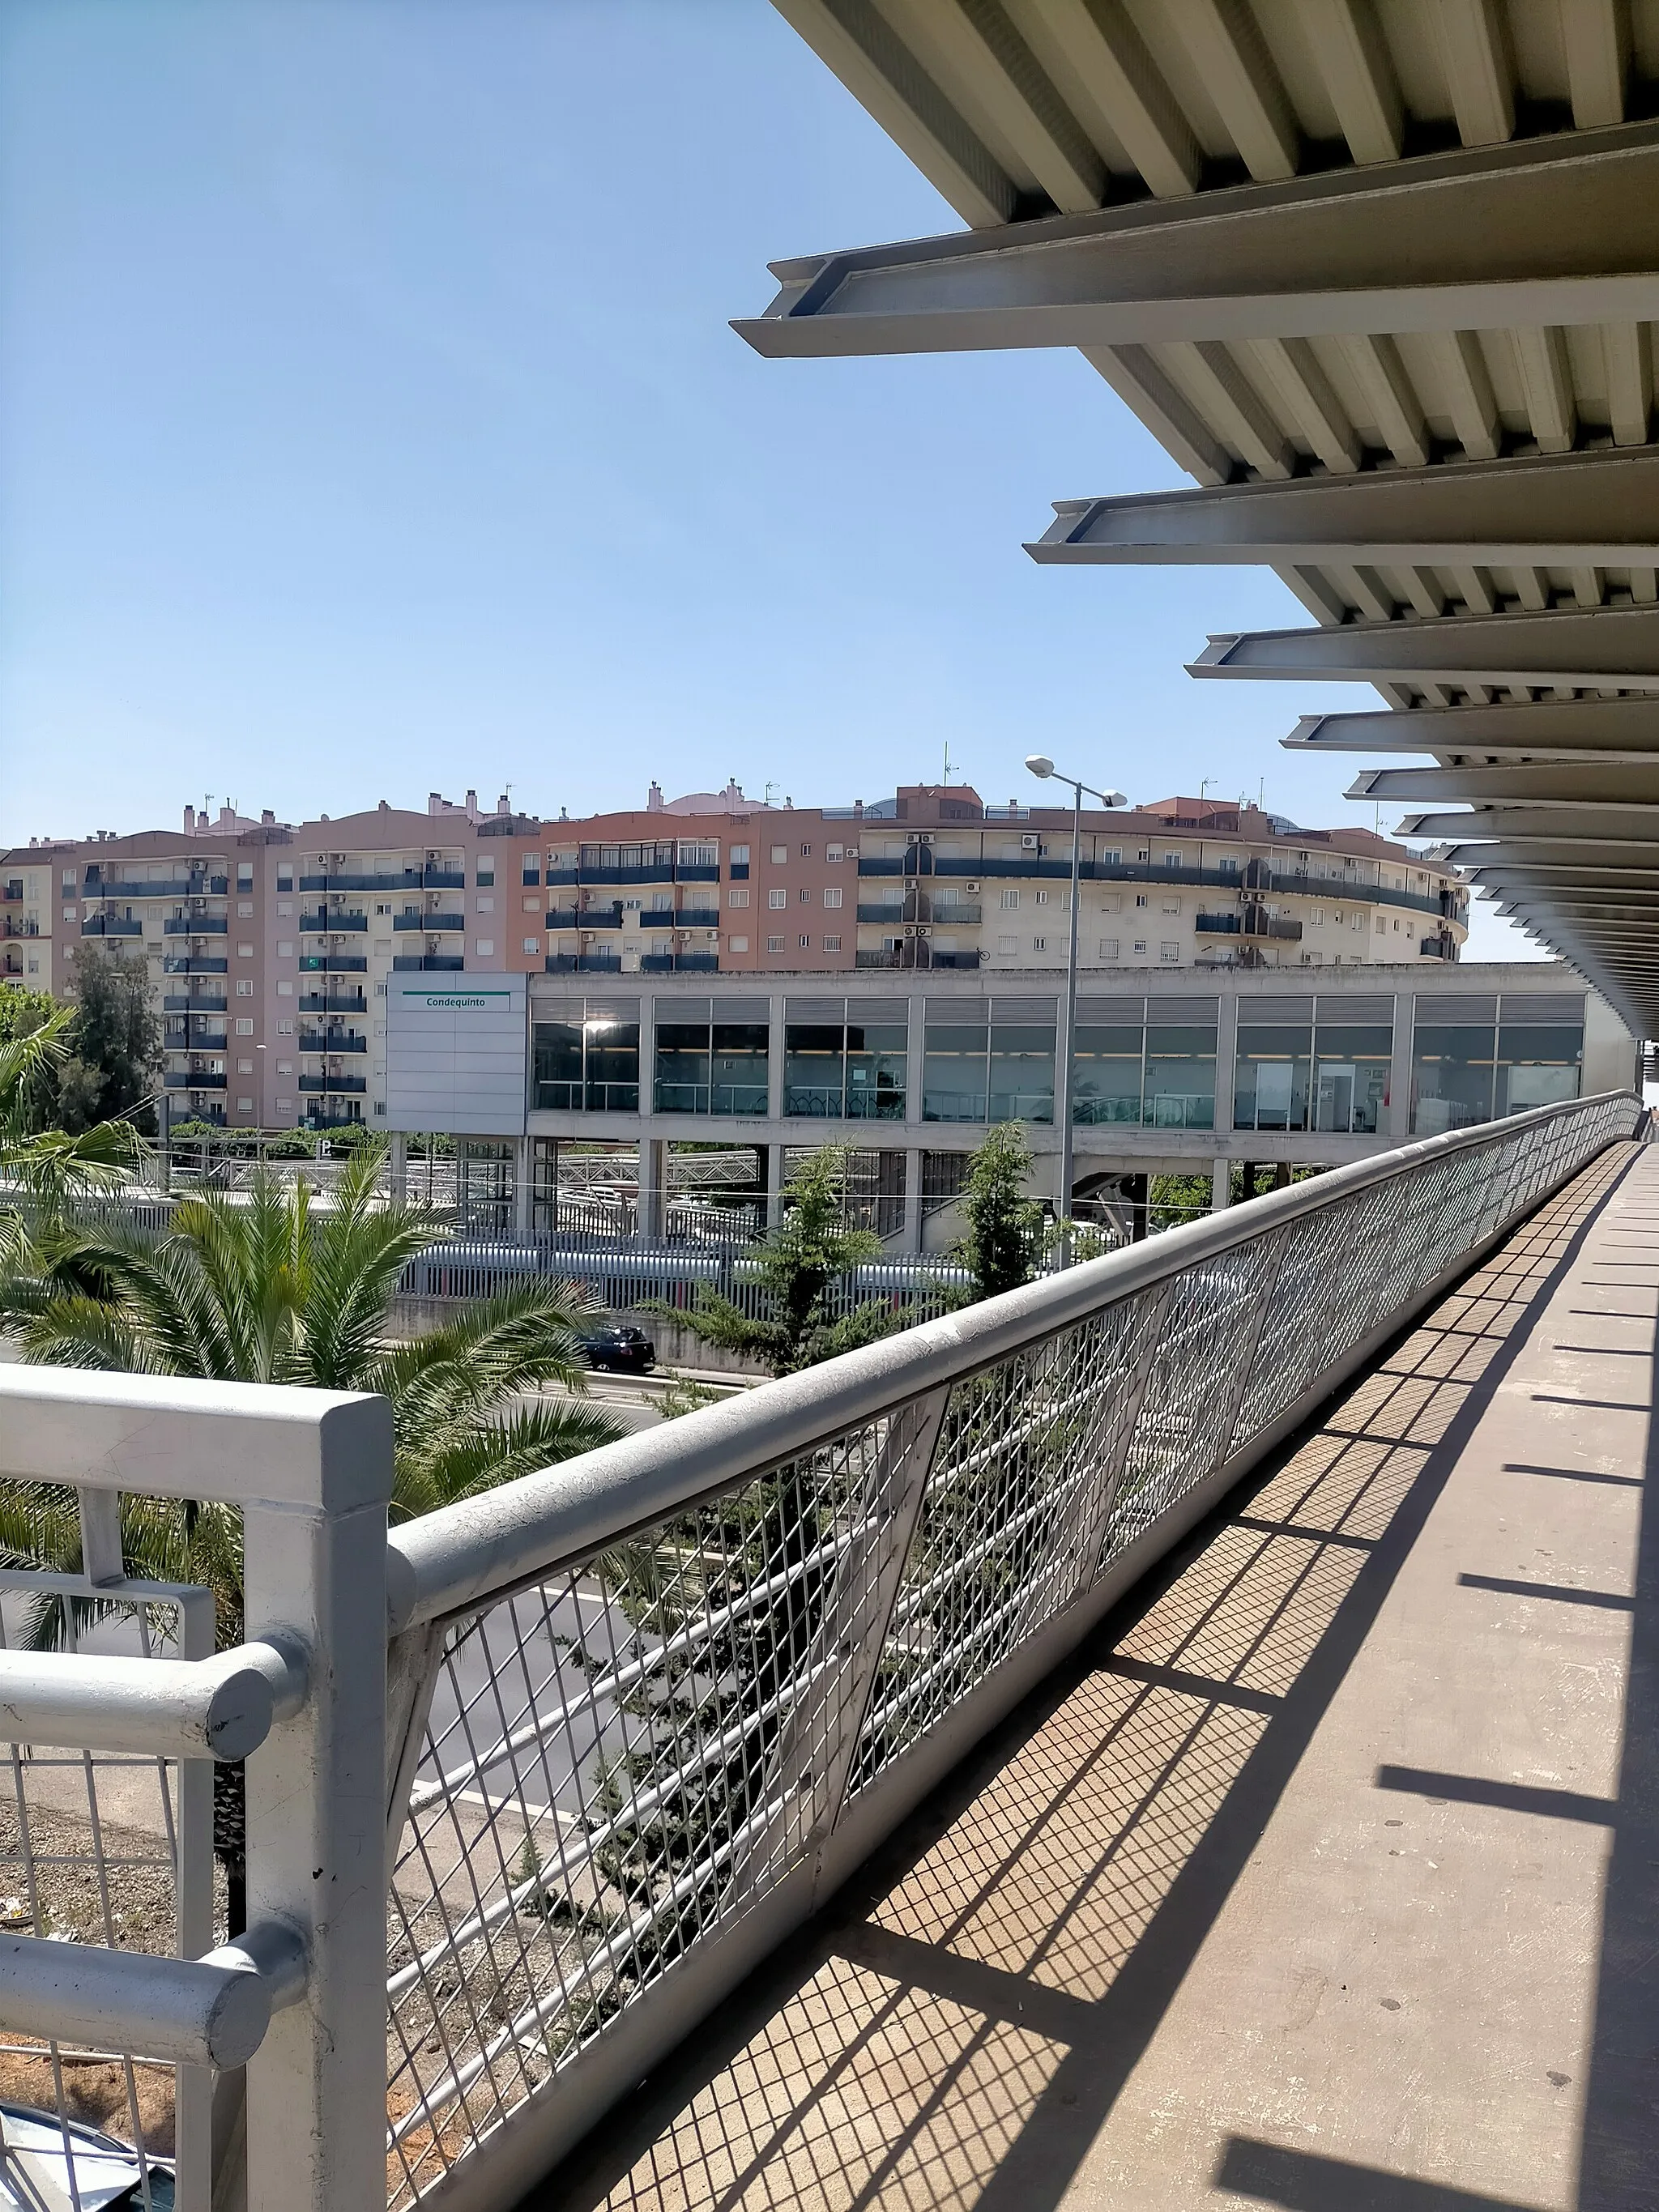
point(472, 801)
point(435, 804)
point(268, 818)
point(503, 805)
point(653, 798)
point(190, 820)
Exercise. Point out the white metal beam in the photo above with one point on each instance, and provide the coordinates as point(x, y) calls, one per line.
point(1576, 729)
point(1548, 233)
point(1353, 59)
point(1575, 784)
point(1112, 67)
point(1475, 53)
point(1596, 35)
point(1580, 512)
point(1223, 39)
point(1617, 646)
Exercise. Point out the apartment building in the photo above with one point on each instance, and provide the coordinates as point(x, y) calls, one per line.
point(269, 945)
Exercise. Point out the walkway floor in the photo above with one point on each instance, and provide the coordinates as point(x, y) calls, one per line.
point(1312, 1882)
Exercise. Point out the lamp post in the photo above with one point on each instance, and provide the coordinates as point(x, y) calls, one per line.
point(1042, 767)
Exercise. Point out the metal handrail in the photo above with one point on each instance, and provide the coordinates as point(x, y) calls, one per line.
point(456, 1558)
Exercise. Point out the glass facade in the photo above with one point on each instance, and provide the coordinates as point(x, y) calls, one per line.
point(712, 1057)
point(1313, 1063)
point(1145, 1063)
point(989, 1061)
point(585, 1058)
point(845, 1059)
point(1478, 1058)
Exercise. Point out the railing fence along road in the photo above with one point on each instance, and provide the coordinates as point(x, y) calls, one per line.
point(640, 1715)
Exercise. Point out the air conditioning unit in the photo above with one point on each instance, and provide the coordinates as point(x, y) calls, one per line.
point(1031, 844)
point(973, 887)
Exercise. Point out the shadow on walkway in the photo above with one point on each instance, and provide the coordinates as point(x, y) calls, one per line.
point(957, 2028)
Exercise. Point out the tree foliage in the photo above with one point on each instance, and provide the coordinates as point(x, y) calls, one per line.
point(1003, 1240)
point(800, 1262)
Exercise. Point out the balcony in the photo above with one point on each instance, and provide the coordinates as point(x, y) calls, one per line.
point(918, 952)
point(182, 887)
point(11, 894)
point(585, 917)
point(432, 963)
point(326, 919)
point(334, 1120)
point(198, 1041)
point(342, 1086)
point(1438, 948)
point(581, 963)
point(407, 880)
point(191, 1079)
point(1258, 924)
point(189, 1002)
point(333, 964)
point(193, 925)
point(679, 963)
point(698, 917)
point(332, 1002)
point(182, 964)
point(110, 925)
point(11, 927)
point(332, 1041)
point(430, 925)
point(1216, 925)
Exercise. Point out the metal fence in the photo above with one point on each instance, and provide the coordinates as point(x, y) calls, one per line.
point(644, 1712)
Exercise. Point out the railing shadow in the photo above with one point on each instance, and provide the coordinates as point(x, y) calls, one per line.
point(954, 2031)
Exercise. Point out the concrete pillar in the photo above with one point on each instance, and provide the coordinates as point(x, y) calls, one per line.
point(911, 1240)
point(1136, 1191)
point(774, 1060)
point(397, 1166)
point(653, 1177)
point(1399, 1114)
point(1221, 1185)
point(1226, 1058)
point(523, 1192)
point(914, 1035)
point(772, 1158)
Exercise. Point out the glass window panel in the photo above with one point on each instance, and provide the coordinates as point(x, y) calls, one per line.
point(1451, 1078)
point(1537, 1065)
point(738, 1080)
point(813, 1069)
point(1179, 1078)
point(1106, 1073)
point(1271, 1076)
point(1021, 1072)
point(954, 1077)
point(683, 1070)
point(558, 1065)
point(875, 1070)
point(613, 1065)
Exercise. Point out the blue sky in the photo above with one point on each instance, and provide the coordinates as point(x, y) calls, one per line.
point(369, 423)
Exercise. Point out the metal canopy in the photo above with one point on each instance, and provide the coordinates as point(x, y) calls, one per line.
point(1383, 278)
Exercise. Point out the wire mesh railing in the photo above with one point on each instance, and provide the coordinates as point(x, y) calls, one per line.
point(649, 1709)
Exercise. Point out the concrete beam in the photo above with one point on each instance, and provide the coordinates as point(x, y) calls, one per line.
point(1547, 232)
point(1575, 784)
point(1551, 511)
point(1563, 729)
point(1612, 648)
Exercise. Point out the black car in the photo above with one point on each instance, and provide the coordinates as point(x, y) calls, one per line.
point(630, 1349)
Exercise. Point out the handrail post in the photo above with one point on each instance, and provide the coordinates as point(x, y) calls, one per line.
point(316, 1826)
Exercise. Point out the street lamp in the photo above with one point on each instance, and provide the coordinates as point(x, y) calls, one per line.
point(1042, 767)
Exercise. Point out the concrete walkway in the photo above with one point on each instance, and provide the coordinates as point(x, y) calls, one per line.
point(1313, 1881)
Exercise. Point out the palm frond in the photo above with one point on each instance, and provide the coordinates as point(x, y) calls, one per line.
point(480, 1455)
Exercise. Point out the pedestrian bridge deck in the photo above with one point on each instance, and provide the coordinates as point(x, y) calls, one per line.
point(1325, 1875)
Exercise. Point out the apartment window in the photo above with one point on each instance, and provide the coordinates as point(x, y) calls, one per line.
point(1115, 857)
point(1042, 898)
point(245, 952)
point(1172, 906)
point(832, 898)
point(285, 1067)
point(1141, 898)
point(832, 944)
point(1172, 859)
point(1112, 903)
point(803, 941)
point(384, 907)
point(531, 871)
point(532, 944)
point(1168, 951)
point(834, 853)
point(485, 878)
point(806, 897)
point(244, 1105)
point(1396, 927)
point(245, 908)
point(781, 898)
point(245, 990)
point(1007, 946)
point(284, 989)
point(1008, 900)
point(285, 948)
point(484, 947)
point(68, 879)
point(738, 855)
point(284, 909)
point(284, 880)
point(485, 905)
point(245, 1067)
point(244, 876)
point(738, 896)
point(780, 855)
point(530, 906)
point(1108, 948)
point(806, 852)
point(1360, 924)
point(1039, 945)
point(1140, 945)
point(285, 1029)
point(736, 944)
point(775, 943)
point(285, 1105)
point(1317, 916)
point(244, 1025)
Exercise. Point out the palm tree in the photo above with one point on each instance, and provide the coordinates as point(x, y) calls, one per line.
point(278, 1289)
point(44, 1169)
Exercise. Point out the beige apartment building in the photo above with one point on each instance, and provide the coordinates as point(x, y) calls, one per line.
point(269, 945)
